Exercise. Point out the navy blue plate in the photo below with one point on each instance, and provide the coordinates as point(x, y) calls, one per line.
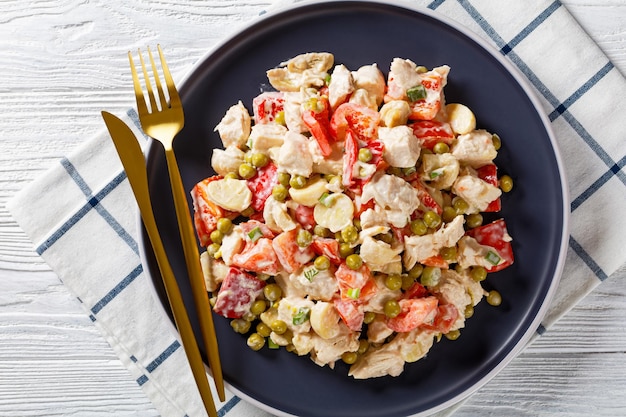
point(360, 33)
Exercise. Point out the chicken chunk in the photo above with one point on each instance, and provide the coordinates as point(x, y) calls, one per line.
point(475, 148)
point(420, 248)
point(370, 79)
point(293, 156)
point(397, 198)
point(227, 160)
point(234, 128)
point(401, 146)
point(476, 192)
point(340, 87)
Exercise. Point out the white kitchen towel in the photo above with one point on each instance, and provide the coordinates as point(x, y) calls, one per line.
point(88, 232)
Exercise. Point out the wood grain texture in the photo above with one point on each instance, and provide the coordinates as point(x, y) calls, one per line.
point(61, 62)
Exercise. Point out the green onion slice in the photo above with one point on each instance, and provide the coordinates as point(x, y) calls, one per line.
point(437, 173)
point(354, 293)
point(301, 316)
point(255, 234)
point(271, 344)
point(326, 200)
point(493, 258)
point(416, 93)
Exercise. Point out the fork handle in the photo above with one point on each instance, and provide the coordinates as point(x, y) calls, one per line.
point(194, 268)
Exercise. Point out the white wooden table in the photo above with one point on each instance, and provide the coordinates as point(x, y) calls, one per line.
point(61, 62)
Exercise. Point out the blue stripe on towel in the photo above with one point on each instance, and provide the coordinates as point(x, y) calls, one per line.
point(561, 108)
point(435, 4)
point(578, 249)
point(142, 380)
point(93, 201)
point(163, 356)
point(615, 170)
point(117, 289)
point(228, 406)
point(530, 28)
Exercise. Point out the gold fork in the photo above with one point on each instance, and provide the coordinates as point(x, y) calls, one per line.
point(163, 121)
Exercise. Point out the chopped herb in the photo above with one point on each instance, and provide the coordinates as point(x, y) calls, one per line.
point(326, 200)
point(255, 234)
point(354, 293)
point(301, 316)
point(416, 93)
point(493, 258)
point(271, 344)
point(437, 173)
point(310, 273)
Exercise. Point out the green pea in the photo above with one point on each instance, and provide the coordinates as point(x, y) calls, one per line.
point(232, 176)
point(441, 147)
point(345, 250)
point(506, 183)
point(385, 237)
point(278, 326)
point(263, 329)
point(449, 213)
point(392, 308)
point(279, 192)
point(247, 212)
point(350, 234)
point(334, 180)
point(246, 171)
point(494, 298)
point(460, 205)
point(213, 249)
point(430, 276)
point(364, 345)
point(407, 282)
point(321, 231)
point(448, 253)
point(224, 225)
point(365, 155)
point(394, 171)
point(297, 181)
point(469, 311)
point(258, 307)
point(369, 317)
point(216, 236)
point(431, 219)
point(256, 341)
point(283, 178)
point(272, 292)
point(478, 273)
point(452, 334)
point(304, 238)
point(393, 281)
point(354, 261)
point(474, 220)
point(349, 357)
point(321, 263)
point(259, 160)
point(416, 271)
point(418, 227)
point(421, 69)
point(240, 325)
point(497, 142)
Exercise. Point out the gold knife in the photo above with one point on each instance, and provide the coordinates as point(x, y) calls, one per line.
point(134, 164)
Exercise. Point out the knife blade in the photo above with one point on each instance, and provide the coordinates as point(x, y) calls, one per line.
point(134, 164)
